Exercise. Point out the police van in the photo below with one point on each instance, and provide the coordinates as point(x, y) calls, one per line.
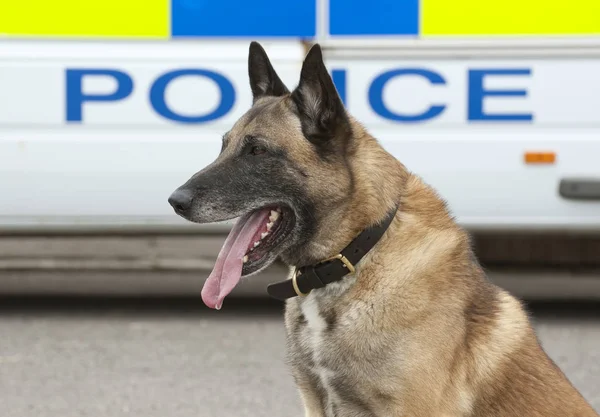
point(105, 106)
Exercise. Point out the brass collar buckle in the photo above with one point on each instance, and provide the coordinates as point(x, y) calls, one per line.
point(347, 264)
point(344, 260)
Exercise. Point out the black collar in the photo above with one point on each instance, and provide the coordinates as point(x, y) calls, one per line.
point(308, 278)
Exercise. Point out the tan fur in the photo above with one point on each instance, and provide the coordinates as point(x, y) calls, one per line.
point(418, 330)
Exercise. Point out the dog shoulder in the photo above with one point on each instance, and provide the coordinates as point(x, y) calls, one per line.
point(507, 370)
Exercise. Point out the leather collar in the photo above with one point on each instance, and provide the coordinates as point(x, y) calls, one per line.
point(308, 278)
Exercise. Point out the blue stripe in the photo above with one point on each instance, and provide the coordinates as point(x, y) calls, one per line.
point(374, 17)
point(243, 18)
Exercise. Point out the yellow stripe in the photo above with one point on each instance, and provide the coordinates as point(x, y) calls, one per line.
point(510, 17)
point(85, 18)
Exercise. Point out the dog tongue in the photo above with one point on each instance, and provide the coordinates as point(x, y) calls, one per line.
point(228, 268)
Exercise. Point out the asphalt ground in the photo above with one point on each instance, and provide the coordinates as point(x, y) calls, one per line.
point(151, 357)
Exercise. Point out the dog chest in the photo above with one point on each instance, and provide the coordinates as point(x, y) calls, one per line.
point(321, 351)
point(314, 340)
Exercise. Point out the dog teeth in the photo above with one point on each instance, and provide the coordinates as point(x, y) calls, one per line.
point(245, 258)
point(256, 243)
point(274, 215)
point(264, 235)
point(269, 226)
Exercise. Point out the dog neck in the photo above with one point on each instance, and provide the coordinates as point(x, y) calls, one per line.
point(378, 185)
point(333, 269)
point(348, 232)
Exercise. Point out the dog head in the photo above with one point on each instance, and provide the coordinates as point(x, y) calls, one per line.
point(282, 169)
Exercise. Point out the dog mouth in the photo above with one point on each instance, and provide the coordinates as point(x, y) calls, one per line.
point(251, 245)
point(276, 228)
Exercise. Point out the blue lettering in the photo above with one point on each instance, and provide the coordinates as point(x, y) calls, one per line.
point(76, 97)
point(477, 93)
point(379, 83)
point(157, 96)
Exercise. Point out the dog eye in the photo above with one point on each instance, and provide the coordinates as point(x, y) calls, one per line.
point(258, 150)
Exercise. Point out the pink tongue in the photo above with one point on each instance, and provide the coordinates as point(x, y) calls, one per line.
point(228, 269)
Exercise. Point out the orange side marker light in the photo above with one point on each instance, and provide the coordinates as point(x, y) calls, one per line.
point(540, 157)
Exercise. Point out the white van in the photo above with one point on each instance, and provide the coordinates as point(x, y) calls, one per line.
point(105, 110)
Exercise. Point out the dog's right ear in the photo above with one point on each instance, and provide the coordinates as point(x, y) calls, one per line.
point(264, 81)
point(320, 107)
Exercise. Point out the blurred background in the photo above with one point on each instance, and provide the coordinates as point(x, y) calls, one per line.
point(107, 106)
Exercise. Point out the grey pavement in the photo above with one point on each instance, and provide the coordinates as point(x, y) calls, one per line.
point(175, 358)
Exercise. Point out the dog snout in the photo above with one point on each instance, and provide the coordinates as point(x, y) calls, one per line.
point(181, 200)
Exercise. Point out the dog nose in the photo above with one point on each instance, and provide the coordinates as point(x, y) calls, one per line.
point(181, 200)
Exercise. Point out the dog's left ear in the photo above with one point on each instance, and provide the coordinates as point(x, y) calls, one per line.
point(321, 109)
point(264, 81)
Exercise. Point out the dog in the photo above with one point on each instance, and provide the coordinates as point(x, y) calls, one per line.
point(387, 310)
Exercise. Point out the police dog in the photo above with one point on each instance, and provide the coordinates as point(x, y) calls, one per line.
point(414, 328)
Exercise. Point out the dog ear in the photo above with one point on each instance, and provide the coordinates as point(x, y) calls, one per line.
point(264, 81)
point(320, 107)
